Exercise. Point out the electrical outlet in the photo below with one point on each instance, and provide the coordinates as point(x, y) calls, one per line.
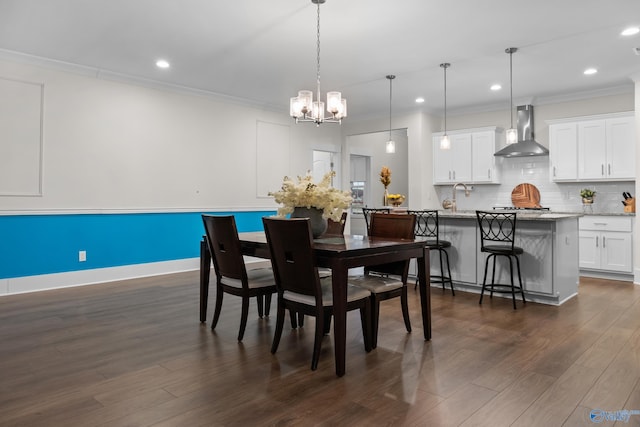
point(82, 256)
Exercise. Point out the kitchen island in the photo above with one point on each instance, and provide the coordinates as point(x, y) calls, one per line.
point(549, 265)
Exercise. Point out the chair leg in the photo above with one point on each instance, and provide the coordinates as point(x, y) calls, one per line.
point(484, 280)
point(513, 289)
point(267, 304)
point(279, 326)
point(243, 317)
point(493, 275)
point(404, 302)
point(317, 341)
point(524, 301)
point(327, 325)
point(300, 320)
point(365, 320)
point(446, 256)
point(375, 314)
point(294, 319)
point(218, 309)
point(260, 301)
point(441, 268)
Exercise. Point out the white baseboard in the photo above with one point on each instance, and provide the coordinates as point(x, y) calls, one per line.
point(44, 282)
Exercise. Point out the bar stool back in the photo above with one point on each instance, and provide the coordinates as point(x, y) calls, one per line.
point(427, 225)
point(497, 234)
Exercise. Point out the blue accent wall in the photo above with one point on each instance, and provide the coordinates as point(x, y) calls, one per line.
point(43, 244)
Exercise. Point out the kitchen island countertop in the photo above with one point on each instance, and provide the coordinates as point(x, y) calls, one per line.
point(526, 215)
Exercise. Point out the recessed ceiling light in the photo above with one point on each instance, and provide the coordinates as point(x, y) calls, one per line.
point(496, 87)
point(630, 31)
point(590, 71)
point(161, 63)
point(419, 100)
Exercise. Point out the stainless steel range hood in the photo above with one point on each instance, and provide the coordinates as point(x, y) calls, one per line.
point(526, 145)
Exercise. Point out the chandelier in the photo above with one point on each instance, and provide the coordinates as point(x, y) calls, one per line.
point(304, 109)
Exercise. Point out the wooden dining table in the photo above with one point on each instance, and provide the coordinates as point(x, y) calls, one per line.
point(340, 253)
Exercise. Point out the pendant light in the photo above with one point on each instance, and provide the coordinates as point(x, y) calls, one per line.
point(304, 109)
point(391, 145)
point(512, 133)
point(445, 143)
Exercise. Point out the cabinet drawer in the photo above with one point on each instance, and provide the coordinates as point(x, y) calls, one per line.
point(605, 223)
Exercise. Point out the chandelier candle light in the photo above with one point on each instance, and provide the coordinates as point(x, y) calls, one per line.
point(445, 143)
point(512, 133)
point(304, 109)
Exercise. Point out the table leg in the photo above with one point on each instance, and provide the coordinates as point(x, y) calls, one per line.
point(339, 279)
point(205, 272)
point(425, 292)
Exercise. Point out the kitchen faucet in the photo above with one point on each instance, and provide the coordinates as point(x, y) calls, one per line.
point(452, 203)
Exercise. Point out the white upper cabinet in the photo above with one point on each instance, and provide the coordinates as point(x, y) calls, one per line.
point(470, 159)
point(599, 148)
point(563, 149)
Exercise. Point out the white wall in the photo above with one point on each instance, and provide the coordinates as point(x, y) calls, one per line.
point(117, 146)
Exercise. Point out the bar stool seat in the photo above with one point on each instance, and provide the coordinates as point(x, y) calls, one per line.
point(497, 235)
point(427, 225)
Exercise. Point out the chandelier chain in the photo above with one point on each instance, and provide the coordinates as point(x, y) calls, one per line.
point(318, 52)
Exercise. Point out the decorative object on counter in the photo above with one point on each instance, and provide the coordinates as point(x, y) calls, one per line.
point(587, 195)
point(385, 179)
point(305, 199)
point(629, 202)
point(587, 199)
point(395, 199)
point(525, 196)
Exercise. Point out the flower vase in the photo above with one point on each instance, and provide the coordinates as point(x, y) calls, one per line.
point(317, 222)
point(385, 199)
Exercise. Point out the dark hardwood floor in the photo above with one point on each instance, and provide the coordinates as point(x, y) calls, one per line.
point(133, 353)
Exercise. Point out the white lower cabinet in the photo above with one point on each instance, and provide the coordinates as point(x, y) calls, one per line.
point(606, 243)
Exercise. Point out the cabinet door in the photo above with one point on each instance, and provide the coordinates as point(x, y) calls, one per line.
point(589, 249)
point(592, 150)
point(616, 249)
point(463, 251)
point(442, 173)
point(461, 157)
point(483, 166)
point(563, 151)
point(621, 153)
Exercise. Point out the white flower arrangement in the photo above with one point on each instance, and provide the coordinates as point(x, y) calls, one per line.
point(306, 194)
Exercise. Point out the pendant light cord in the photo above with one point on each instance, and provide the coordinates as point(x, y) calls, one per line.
point(445, 65)
point(511, 85)
point(390, 97)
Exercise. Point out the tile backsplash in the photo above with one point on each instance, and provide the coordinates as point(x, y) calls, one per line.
point(558, 197)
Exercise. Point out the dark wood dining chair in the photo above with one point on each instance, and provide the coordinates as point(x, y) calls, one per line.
point(232, 276)
point(336, 228)
point(387, 281)
point(367, 212)
point(300, 288)
point(497, 238)
point(428, 225)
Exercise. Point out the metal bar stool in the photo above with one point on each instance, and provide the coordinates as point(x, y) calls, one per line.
point(427, 225)
point(367, 214)
point(497, 235)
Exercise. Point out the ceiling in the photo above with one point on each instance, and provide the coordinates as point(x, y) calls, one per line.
point(263, 52)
